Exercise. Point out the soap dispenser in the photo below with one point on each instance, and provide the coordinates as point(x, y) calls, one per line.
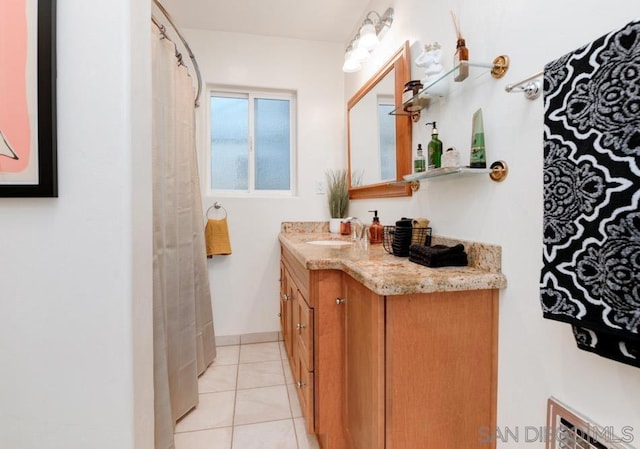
point(434, 149)
point(376, 230)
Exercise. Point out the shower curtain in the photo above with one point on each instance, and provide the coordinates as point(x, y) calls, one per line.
point(183, 321)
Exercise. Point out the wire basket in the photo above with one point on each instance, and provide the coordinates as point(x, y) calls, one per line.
point(397, 241)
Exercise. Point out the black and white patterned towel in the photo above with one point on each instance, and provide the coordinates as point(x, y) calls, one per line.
point(591, 255)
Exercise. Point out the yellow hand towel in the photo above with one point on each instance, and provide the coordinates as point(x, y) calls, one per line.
point(419, 237)
point(216, 234)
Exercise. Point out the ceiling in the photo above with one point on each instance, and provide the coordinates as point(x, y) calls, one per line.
point(327, 20)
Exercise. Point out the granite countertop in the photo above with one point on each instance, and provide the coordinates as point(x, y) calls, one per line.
point(386, 274)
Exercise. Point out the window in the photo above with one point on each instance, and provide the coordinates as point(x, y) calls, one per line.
point(387, 144)
point(252, 141)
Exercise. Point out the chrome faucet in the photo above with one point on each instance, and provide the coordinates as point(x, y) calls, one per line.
point(357, 232)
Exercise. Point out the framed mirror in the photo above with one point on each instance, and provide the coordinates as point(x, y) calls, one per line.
point(379, 144)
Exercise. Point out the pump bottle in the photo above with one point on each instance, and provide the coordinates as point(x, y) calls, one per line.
point(376, 230)
point(434, 149)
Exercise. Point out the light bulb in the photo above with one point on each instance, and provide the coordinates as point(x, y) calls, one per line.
point(368, 38)
point(359, 52)
point(350, 63)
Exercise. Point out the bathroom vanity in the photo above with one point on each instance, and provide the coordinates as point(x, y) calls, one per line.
point(386, 353)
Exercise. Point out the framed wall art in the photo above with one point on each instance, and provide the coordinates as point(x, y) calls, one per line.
point(28, 154)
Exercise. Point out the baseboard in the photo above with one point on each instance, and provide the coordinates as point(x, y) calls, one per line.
point(245, 339)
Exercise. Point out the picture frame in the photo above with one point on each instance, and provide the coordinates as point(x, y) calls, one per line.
point(28, 137)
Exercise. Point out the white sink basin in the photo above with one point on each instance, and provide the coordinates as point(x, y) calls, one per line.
point(330, 242)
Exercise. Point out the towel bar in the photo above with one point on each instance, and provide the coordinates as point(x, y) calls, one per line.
point(532, 89)
point(217, 205)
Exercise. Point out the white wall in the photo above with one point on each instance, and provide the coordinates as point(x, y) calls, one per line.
point(245, 284)
point(537, 357)
point(75, 298)
point(76, 269)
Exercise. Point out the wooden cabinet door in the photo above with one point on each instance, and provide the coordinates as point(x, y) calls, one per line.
point(441, 369)
point(328, 349)
point(364, 366)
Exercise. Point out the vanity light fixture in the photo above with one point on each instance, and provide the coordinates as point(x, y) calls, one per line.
point(359, 52)
point(351, 64)
point(372, 30)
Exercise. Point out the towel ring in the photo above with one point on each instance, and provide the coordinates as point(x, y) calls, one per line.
point(217, 205)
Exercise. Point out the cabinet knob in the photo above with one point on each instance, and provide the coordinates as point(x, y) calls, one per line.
point(300, 326)
point(339, 301)
point(286, 297)
point(279, 314)
point(301, 384)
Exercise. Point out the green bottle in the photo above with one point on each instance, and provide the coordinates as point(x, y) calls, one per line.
point(478, 152)
point(418, 162)
point(434, 149)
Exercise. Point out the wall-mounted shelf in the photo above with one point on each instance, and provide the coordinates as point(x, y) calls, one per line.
point(420, 101)
point(497, 171)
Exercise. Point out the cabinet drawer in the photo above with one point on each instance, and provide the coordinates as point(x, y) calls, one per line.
point(304, 387)
point(303, 331)
point(299, 273)
point(287, 300)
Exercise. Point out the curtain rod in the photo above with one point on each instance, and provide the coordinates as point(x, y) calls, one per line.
point(186, 45)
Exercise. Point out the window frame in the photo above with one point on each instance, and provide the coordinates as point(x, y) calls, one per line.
point(251, 94)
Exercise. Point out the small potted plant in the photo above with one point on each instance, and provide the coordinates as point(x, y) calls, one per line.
point(338, 197)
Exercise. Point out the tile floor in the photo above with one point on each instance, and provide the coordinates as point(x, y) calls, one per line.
point(247, 401)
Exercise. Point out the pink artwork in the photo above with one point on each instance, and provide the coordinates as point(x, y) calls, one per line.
point(15, 128)
point(28, 160)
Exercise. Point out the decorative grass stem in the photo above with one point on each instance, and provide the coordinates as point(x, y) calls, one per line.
point(337, 192)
